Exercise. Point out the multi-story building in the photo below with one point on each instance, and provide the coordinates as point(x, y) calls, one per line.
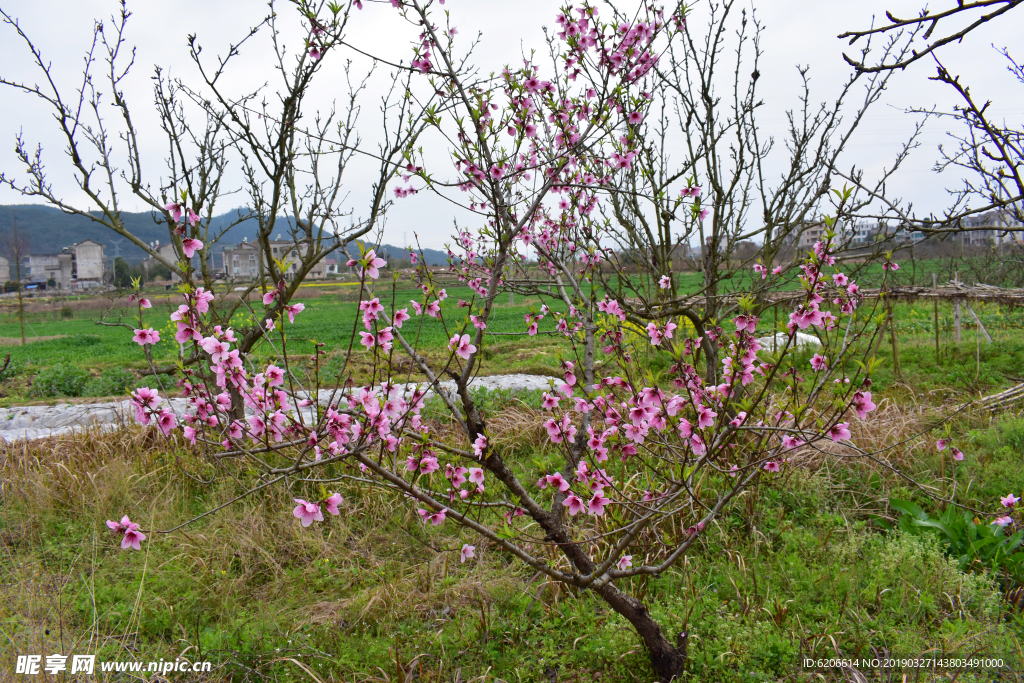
point(242, 261)
point(992, 228)
point(42, 268)
point(167, 252)
point(82, 265)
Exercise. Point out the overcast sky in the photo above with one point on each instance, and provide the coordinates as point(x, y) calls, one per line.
point(796, 32)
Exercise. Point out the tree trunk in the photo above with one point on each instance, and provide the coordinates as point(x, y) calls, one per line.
point(666, 660)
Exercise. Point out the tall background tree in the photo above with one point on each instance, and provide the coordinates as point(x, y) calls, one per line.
point(988, 150)
point(14, 246)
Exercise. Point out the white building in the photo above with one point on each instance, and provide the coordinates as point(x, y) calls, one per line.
point(82, 265)
point(992, 228)
point(242, 261)
point(167, 252)
point(43, 267)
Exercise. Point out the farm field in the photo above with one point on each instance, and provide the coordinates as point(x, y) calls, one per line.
point(90, 339)
point(804, 565)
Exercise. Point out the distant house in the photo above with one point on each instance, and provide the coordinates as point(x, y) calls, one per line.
point(43, 267)
point(5, 270)
point(167, 253)
point(241, 261)
point(81, 265)
point(992, 228)
point(331, 266)
point(245, 261)
point(811, 234)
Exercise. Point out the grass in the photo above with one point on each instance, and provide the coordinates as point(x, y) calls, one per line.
point(331, 313)
point(795, 569)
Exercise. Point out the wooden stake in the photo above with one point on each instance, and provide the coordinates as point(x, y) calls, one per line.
point(956, 313)
point(895, 347)
point(977, 331)
point(980, 325)
point(935, 286)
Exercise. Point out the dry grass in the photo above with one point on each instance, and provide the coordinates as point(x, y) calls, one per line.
point(245, 555)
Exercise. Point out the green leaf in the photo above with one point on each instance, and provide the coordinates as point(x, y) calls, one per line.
point(907, 508)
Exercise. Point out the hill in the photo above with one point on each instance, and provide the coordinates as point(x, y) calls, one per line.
point(49, 230)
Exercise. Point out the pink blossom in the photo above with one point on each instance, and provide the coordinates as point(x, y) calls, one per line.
point(456, 475)
point(467, 551)
point(373, 263)
point(384, 339)
point(274, 375)
point(819, 362)
point(119, 527)
point(555, 479)
point(332, 503)
point(664, 282)
point(307, 512)
point(574, 503)
point(175, 209)
point(1009, 500)
point(554, 433)
point(762, 270)
point(293, 310)
point(400, 317)
point(1003, 521)
point(705, 417)
point(190, 246)
point(941, 444)
point(625, 562)
point(863, 404)
point(958, 454)
point(203, 299)
point(269, 297)
point(367, 339)
point(790, 442)
point(745, 323)
point(146, 336)
point(461, 346)
point(771, 466)
point(839, 432)
point(166, 421)
point(597, 504)
point(132, 536)
point(479, 445)
point(435, 518)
